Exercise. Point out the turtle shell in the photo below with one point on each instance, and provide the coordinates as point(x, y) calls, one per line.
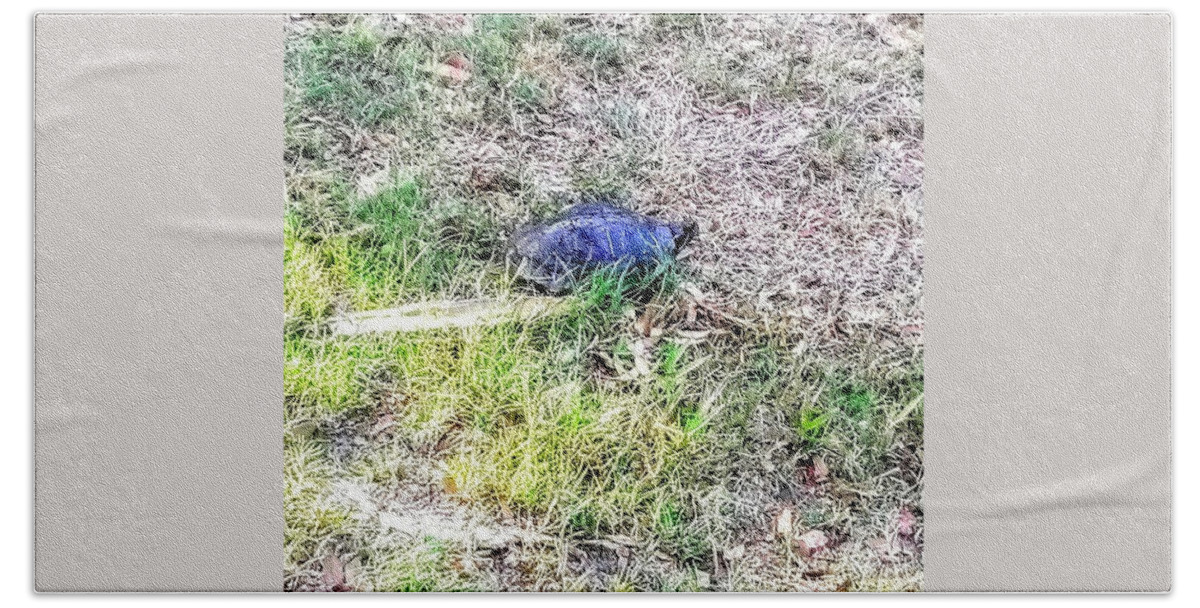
point(591, 236)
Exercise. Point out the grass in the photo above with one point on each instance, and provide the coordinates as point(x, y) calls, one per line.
point(646, 435)
point(603, 54)
point(353, 74)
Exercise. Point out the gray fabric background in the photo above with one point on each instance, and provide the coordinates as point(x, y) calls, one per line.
point(1048, 302)
point(158, 330)
point(158, 300)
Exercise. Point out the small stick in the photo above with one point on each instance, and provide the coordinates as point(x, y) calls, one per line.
point(443, 314)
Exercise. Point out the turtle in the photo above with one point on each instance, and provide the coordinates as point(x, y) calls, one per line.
point(591, 236)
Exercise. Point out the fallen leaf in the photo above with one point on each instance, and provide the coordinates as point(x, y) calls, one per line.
point(641, 357)
point(392, 401)
point(443, 444)
point(882, 548)
point(906, 522)
point(817, 570)
point(783, 523)
point(383, 423)
point(820, 468)
point(333, 576)
point(812, 542)
point(453, 74)
point(818, 471)
point(303, 430)
point(692, 337)
point(623, 540)
point(353, 570)
point(645, 323)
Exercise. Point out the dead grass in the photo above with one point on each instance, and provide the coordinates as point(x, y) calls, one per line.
point(611, 446)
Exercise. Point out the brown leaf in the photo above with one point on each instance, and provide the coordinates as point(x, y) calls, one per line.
point(906, 522)
point(333, 576)
point(818, 570)
point(303, 429)
point(456, 69)
point(818, 471)
point(812, 542)
point(443, 444)
point(645, 323)
point(882, 548)
point(642, 354)
point(783, 523)
point(391, 402)
point(452, 74)
point(735, 553)
point(384, 422)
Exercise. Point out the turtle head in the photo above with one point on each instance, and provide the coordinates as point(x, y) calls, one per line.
point(683, 232)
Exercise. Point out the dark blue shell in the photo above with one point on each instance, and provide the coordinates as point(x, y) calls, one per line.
point(591, 236)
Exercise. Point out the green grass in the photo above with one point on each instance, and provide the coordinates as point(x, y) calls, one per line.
point(355, 75)
point(494, 43)
point(602, 53)
point(540, 435)
point(310, 516)
point(676, 25)
point(394, 247)
point(310, 282)
point(402, 248)
point(841, 145)
point(424, 567)
point(530, 93)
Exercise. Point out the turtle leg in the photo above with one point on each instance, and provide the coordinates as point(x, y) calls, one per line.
point(559, 283)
